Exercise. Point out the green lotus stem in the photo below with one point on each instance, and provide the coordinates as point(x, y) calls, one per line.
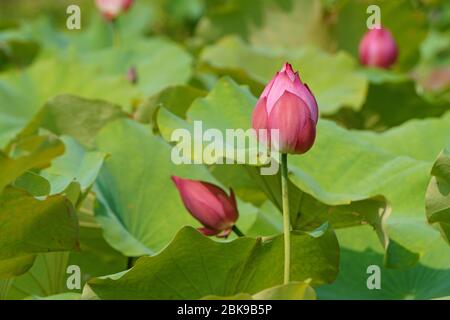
point(286, 220)
point(116, 33)
point(130, 262)
point(238, 232)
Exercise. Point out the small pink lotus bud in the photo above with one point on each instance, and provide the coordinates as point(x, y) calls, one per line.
point(111, 9)
point(288, 105)
point(209, 204)
point(132, 75)
point(378, 48)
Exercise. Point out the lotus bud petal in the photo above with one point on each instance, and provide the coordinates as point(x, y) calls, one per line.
point(111, 9)
point(209, 204)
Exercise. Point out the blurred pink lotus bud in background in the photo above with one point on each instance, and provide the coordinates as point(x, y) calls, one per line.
point(378, 48)
point(209, 204)
point(111, 9)
point(132, 75)
point(288, 105)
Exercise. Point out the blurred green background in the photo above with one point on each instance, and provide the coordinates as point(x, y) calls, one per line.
point(379, 136)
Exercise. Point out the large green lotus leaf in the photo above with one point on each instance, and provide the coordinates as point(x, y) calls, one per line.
point(23, 215)
point(11, 268)
point(267, 23)
point(364, 165)
point(159, 63)
point(76, 165)
point(344, 87)
point(428, 135)
point(269, 221)
point(388, 92)
point(96, 257)
point(80, 118)
point(4, 288)
point(352, 179)
point(33, 152)
point(244, 184)
point(48, 276)
point(306, 212)
point(411, 149)
point(227, 106)
point(139, 207)
point(193, 266)
point(438, 194)
point(16, 53)
point(50, 77)
point(177, 99)
point(291, 291)
point(395, 15)
point(386, 167)
point(32, 182)
point(74, 116)
point(30, 226)
point(360, 248)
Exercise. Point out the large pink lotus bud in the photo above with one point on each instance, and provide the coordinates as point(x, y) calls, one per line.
point(288, 105)
point(209, 204)
point(111, 9)
point(378, 48)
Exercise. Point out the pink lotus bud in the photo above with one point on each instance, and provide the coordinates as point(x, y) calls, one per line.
point(208, 204)
point(132, 75)
point(378, 48)
point(287, 104)
point(111, 9)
